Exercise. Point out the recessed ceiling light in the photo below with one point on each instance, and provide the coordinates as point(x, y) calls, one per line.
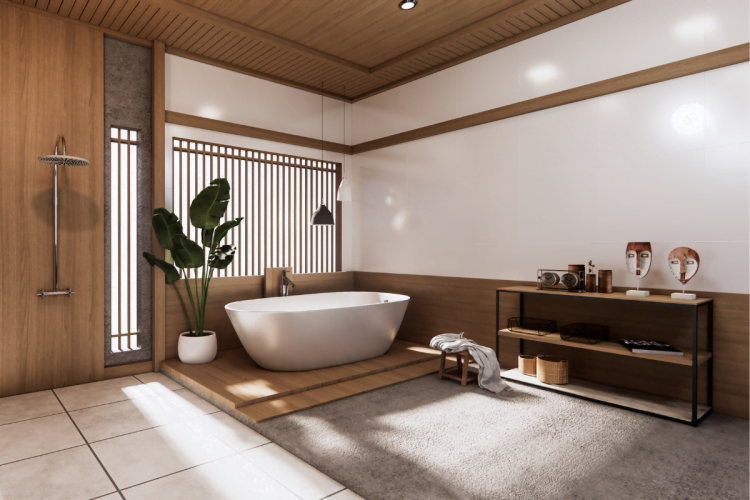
point(407, 4)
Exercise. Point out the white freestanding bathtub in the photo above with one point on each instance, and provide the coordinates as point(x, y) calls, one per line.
point(305, 332)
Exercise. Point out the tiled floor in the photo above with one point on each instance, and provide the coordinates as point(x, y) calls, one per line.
point(143, 437)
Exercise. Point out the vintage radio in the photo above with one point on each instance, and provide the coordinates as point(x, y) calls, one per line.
point(563, 281)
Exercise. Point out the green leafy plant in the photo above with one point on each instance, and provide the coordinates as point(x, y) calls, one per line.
point(206, 212)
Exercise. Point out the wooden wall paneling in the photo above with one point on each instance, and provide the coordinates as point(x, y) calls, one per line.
point(706, 62)
point(254, 132)
point(158, 191)
point(454, 305)
point(226, 290)
point(57, 90)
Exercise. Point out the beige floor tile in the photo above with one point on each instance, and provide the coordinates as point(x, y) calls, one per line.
point(158, 382)
point(231, 478)
point(31, 438)
point(304, 480)
point(28, 406)
point(135, 458)
point(111, 496)
point(236, 434)
point(81, 396)
point(66, 475)
point(345, 495)
point(189, 403)
point(124, 417)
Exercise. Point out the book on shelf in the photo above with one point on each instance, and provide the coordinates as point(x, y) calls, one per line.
point(650, 347)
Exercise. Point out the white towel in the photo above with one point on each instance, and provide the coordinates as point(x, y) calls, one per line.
point(489, 369)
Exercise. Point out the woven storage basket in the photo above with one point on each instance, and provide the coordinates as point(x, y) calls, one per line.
point(551, 370)
point(527, 364)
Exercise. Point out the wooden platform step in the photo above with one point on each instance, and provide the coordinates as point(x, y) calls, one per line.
point(235, 380)
point(301, 401)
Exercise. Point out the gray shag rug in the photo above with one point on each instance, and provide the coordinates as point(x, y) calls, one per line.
point(431, 439)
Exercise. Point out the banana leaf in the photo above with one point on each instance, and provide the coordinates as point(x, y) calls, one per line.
point(219, 233)
point(221, 257)
point(170, 273)
point(209, 206)
point(166, 226)
point(187, 254)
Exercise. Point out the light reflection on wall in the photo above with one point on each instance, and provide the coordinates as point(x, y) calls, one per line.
point(210, 112)
point(399, 220)
point(689, 118)
point(694, 29)
point(542, 73)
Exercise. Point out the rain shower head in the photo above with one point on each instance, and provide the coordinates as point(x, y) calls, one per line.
point(63, 159)
point(69, 161)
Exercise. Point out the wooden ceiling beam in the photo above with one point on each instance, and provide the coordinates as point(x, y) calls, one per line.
point(223, 22)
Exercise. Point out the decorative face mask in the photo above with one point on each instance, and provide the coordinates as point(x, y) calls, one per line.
point(684, 263)
point(638, 258)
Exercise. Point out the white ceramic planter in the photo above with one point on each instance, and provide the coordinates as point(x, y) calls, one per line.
point(197, 350)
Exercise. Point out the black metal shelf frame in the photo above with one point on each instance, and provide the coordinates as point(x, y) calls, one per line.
point(695, 420)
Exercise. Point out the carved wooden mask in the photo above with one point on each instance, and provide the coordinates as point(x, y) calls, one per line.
point(684, 263)
point(638, 258)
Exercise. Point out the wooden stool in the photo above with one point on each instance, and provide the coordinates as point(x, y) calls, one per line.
point(462, 368)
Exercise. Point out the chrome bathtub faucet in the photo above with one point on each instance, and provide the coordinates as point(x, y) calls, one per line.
point(285, 282)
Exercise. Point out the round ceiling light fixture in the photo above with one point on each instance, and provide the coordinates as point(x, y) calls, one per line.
point(407, 4)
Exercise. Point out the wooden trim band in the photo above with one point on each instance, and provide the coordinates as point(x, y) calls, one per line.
point(110, 33)
point(254, 132)
point(128, 369)
point(706, 62)
point(250, 72)
point(158, 195)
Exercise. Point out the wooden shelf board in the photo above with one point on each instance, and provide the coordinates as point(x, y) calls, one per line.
point(653, 299)
point(609, 348)
point(641, 401)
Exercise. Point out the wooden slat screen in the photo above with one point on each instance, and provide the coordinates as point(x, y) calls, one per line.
point(124, 239)
point(275, 193)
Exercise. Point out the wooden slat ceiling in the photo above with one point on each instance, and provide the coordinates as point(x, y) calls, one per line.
point(355, 49)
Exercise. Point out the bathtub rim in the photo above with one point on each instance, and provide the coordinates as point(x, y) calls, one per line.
point(401, 298)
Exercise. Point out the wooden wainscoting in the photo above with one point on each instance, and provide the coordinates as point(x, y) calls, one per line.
point(446, 304)
point(226, 290)
point(51, 84)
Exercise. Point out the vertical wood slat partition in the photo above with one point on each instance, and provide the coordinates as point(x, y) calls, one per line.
point(275, 193)
point(124, 233)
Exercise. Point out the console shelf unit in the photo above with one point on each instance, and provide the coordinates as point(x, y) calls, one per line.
point(680, 411)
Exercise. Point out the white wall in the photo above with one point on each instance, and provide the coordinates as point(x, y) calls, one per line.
point(631, 37)
point(203, 90)
point(490, 201)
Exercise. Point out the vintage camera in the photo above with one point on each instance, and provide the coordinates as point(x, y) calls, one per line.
point(563, 281)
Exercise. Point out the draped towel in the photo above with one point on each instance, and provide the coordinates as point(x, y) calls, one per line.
point(489, 368)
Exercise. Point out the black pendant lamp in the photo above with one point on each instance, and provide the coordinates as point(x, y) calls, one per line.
point(322, 216)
